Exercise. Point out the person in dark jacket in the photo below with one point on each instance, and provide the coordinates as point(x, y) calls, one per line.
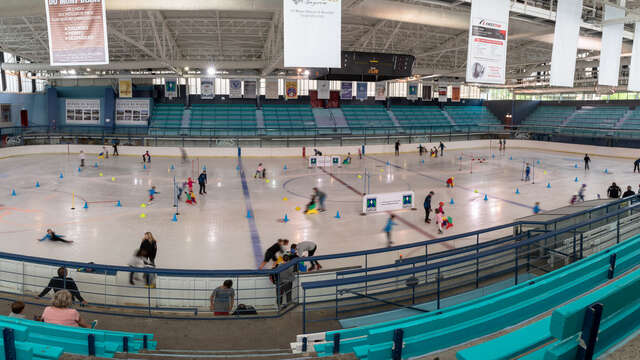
point(272, 252)
point(150, 247)
point(442, 148)
point(636, 165)
point(284, 280)
point(62, 282)
point(629, 192)
point(587, 160)
point(397, 147)
point(202, 182)
point(427, 207)
point(614, 191)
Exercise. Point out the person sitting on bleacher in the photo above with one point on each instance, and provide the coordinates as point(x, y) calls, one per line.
point(60, 312)
point(62, 282)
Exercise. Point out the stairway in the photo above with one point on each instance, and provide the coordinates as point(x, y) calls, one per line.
point(186, 122)
point(623, 119)
point(338, 117)
point(259, 119)
point(393, 118)
point(323, 118)
point(446, 114)
point(573, 114)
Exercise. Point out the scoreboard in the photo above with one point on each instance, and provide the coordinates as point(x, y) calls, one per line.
point(368, 66)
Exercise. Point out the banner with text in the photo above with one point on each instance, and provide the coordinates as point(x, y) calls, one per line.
point(487, 51)
point(125, 88)
point(291, 89)
point(235, 88)
point(171, 88)
point(427, 93)
point(250, 89)
point(565, 42)
point(609, 68)
point(323, 90)
point(412, 91)
point(381, 90)
point(361, 91)
point(455, 93)
point(207, 88)
point(442, 93)
point(372, 203)
point(271, 88)
point(77, 32)
point(132, 112)
point(346, 90)
point(82, 111)
point(320, 20)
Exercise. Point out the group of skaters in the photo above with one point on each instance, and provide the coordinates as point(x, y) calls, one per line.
point(144, 257)
point(186, 188)
point(316, 202)
point(433, 152)
point(278, 255)
point(587, 163)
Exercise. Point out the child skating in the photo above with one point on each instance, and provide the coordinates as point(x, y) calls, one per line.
point(152, 192)
point(388, 227)
point(55, 237)
point(527, 173)
point(260, 172)
point(191, 197)
point(82, 158)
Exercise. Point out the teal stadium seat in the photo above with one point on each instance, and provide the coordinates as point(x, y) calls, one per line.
point(166, 119)
point(421, 119)
point(295, 119)
point(223, 120)
point(473, 118)
point(369, 119)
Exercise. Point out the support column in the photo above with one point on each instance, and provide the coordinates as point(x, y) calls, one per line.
point(52, 108)
point(109, 109)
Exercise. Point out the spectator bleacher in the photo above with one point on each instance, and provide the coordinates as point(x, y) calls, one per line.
point(223, 119)
point(166, 119)
point(430, 118)
point(597, 118)
point(371, 119)
point(630, 125)
point(546, 119)
point(296, 119)
point(471, 118)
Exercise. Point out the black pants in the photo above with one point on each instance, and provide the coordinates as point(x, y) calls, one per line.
point(82, 162)
point(586, 165)
point(115, 151)
point(441, 151)
point(203, 188)
point(636, 166)
point(314, 263)
point(426, 214)
point(397, 152)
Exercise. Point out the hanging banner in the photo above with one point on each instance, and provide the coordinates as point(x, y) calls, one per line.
point(82, 111)
point(291, 89)
point(634, 72)
point(125, 88)
point(442, 93)
point(361, 91)
point(132, 112)
point(346, 90)
point(207, 88)
point(381, 90)
point(171, 88)
point(235, 88)
point(77, 32)
point(609, 68)
point(412, 91)
point(271, 88)
point(250, 89)
point(427, 93)
point(565, 42)
point(320, 20)
point(455, 93)
point(487, 53)
point(323, 89)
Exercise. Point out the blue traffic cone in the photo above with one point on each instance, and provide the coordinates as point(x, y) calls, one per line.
point(37, 184)
point(144, 166)
point(86, 206)
point(79, 169)
point(486, 197)
point(460, 158)
point(493, 156)
point(548, 185)
point(118, 204)
point(510, 157)
point(204, 167)
point(286, 218)
point(337, 215)
point(249, 214)
point(538, 162)
point(576, 179)
point(285, 167)
point(61, 176)
point(175, 218)
point(575, 166)
point(606, 171)
point(13, 192)
point(388, 163)
point(173, 167)
point(237, 167)
point(451, 202)
point(95, 165)
point(517, 191)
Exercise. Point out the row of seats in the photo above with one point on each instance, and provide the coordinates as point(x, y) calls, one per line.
point(461, 323)
point(428, 117)
point(223, 119)
point(366, 118)
point(39, 340)
point(287, 119)
point(166, 119)
point(472, 118)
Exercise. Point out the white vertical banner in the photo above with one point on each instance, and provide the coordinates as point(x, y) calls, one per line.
point(207, 88)
point(381, 90)
point(487, 53)
point(235, 88)
point(442, 93)
point(271, 88)
point(312, 33)
point(323, 89)
point(565, 42)
point(634, 72)
point(609, 68)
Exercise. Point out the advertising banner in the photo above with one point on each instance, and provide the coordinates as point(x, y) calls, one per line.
point(442, 93)
point(427, 93)
point(320, 20)
point(291, 89)
point(250, 89)
point(125, 87)
point(455, 93)
point(487, 51)
point(323, 89)
point(82, 111)
point(77, 32)
point(324, 161)
point(271, 88)
point(412, 91)
point(132, 112)
point(207, 88)
point(346, 91)
point(372, 203)
point(381, 90)
point(634, 72)
point(609, 68)
point(565, 42)
point(171, 88)
point(235, 88)
point(361, 91)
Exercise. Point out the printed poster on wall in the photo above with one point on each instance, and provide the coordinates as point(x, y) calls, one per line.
point(442, 93)
point(346, 91)
point(320, 20)
point(235, 88)
point(132, 112)
point(77, 32)
point(323, 89)
point(171, 88)
point(291, 89)
point(487, 51)
point(361, 91)
point(125, 87)
point(426, 92)
point(412, 91)
point(207, 89)
point(455, 93)
point(250, 89)
point(381, 90)
point(271, 88)
point(82, 111)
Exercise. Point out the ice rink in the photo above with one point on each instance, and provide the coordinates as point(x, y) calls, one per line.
point(217, 234)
